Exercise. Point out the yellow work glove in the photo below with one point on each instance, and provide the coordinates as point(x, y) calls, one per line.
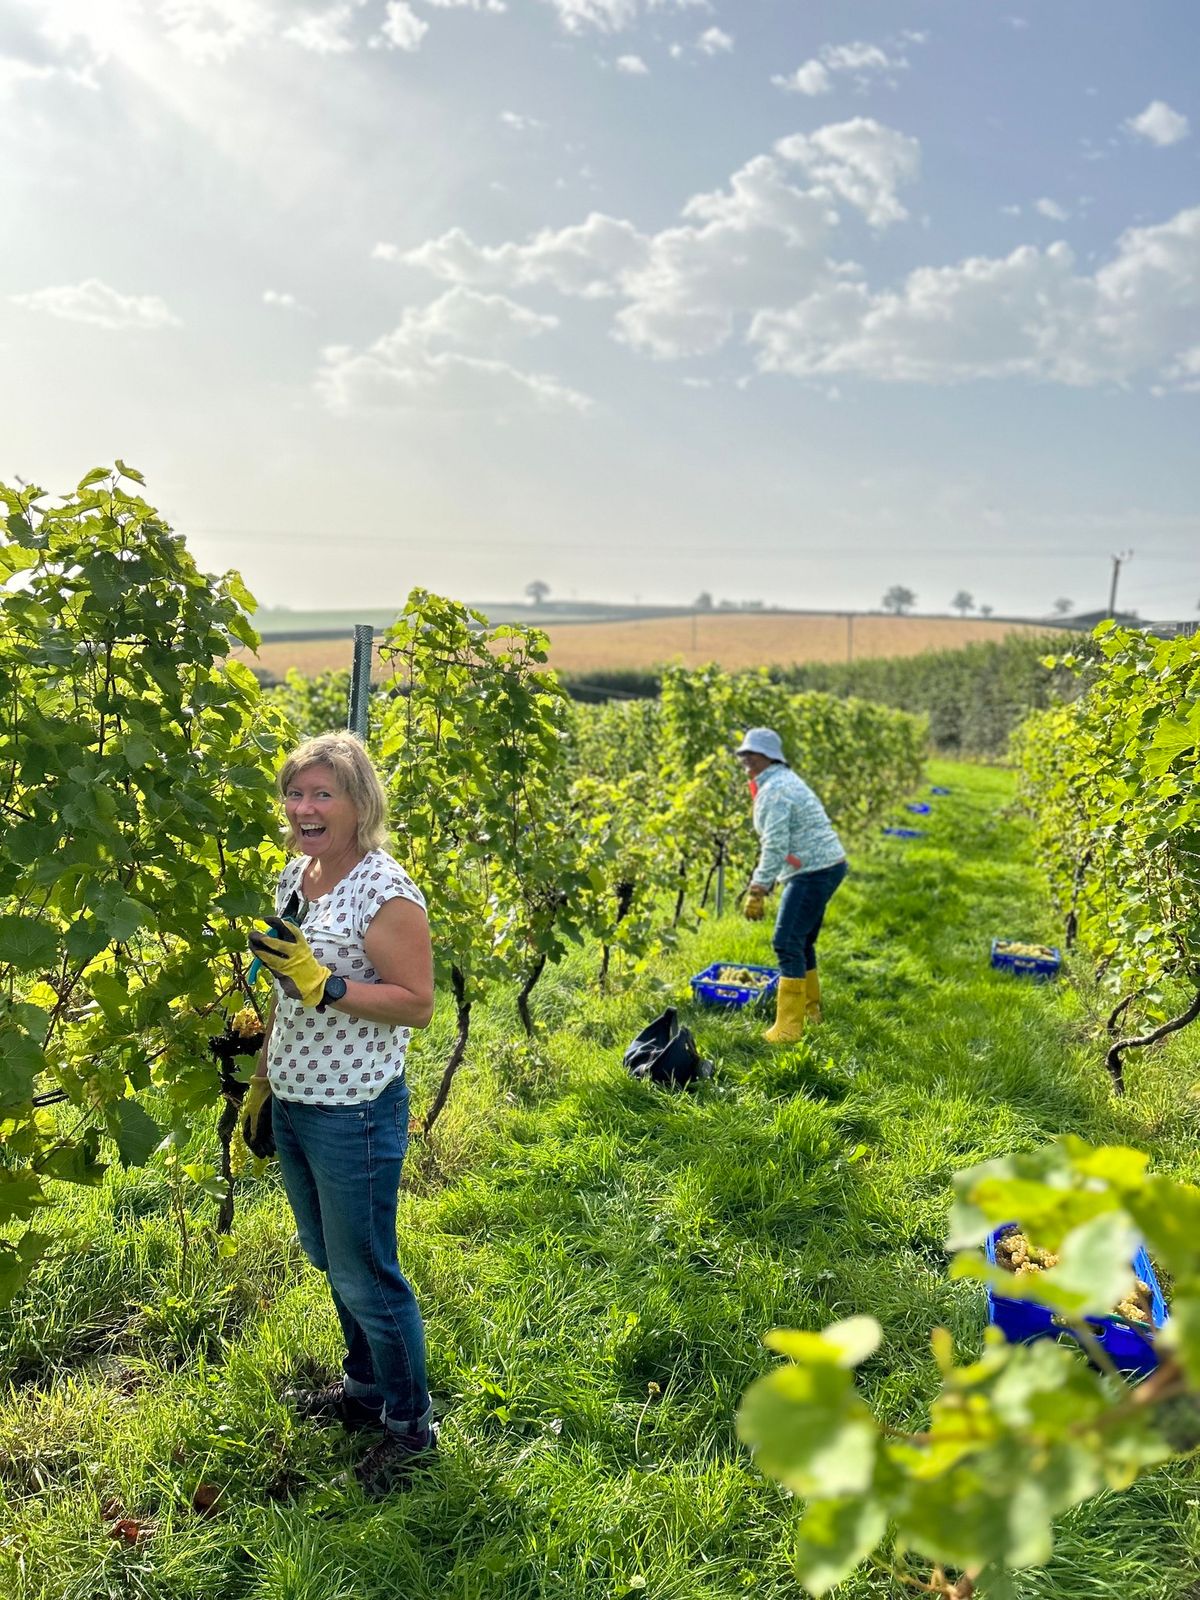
point(285, 952)
point(753, 909)
point(258, 1135)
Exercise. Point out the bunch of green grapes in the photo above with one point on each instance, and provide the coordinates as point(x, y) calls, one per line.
point(743, 977)
point(246, 1023)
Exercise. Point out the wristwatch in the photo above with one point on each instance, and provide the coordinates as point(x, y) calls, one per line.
point(335, 990)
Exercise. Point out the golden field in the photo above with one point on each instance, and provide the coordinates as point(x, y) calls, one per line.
point(732, 639)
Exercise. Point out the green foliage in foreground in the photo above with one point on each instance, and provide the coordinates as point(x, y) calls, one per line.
point(598, 1264)
point(1021, 1434)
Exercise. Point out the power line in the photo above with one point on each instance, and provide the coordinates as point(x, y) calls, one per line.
point(546, 549)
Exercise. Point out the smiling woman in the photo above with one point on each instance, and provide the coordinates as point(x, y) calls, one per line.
point(350, 952)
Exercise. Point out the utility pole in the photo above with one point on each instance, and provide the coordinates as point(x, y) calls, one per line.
point(1118, 562)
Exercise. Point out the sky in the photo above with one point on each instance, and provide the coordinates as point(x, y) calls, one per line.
point(776, 299)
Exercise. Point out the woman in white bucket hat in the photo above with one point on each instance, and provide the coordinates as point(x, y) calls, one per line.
point(798, 849)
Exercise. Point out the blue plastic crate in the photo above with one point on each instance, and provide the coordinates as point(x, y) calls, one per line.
point(1023, 1321)
point(1026, 965)
point(707, 988)
point(939, 788)
point(905, 833)
point(920, 808)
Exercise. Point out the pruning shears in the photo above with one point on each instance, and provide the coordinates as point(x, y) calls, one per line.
point(289, 917)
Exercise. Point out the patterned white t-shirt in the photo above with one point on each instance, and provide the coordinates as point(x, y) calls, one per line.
point(327, 1057)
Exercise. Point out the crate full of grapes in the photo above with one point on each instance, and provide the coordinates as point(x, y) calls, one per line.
point(727, 984)
point(1127, 1336)
point(1031, 960)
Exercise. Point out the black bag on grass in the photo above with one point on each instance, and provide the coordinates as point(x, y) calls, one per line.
point(666, 1054)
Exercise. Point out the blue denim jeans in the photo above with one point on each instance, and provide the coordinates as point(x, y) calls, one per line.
point(801, 913)
point(341, 1171)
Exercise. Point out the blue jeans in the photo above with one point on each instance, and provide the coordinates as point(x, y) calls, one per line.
point(341, 1171)
point(801, 913)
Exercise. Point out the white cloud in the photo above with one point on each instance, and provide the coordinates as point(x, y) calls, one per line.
point(325, 33)
point(757, 255)
point(861, 161)
point(208, 31)
point(860, 61)
point(1010, 211)
point(467, 318)
point(383, 251)
point(402, 28)
point(520, 123)
point(1030, 314)
point(284, 301)
point(755, 242)
point(1051, 208)
point(857, 57)
point(1184, 373)
point(99, 305)
point(15, 72)
point(714, 42)
point(448, 355)
point(612, 16)
point(587, 259)
point(812, 78)
point(1160, 124)
point(496, 6)
point(634, 66)
point(739, 248)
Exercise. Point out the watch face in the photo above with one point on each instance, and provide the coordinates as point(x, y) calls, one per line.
point(335, 988)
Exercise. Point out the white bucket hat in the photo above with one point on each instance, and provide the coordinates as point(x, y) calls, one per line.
point(762, 742)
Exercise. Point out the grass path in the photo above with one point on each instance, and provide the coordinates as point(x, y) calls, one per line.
point(597, 1262)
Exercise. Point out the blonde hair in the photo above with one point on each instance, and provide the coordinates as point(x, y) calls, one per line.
point(343, 753)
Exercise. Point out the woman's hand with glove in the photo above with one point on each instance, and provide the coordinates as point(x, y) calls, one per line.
point(753, 909)
point(286, 952)
point(258, 1134)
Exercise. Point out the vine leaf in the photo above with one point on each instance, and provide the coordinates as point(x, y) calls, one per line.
point(808, 1427)
point(138, 1135)
point(834, 1537)
point(26, 943)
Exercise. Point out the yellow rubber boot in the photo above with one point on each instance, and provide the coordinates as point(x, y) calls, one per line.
point(812, 995)
point(789, 1012)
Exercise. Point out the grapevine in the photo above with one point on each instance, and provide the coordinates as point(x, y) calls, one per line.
point(1110, 782)
point(135, 780)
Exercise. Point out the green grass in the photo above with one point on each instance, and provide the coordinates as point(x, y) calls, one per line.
point(576, 1239)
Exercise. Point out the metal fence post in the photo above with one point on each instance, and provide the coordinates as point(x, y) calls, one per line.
point(360, 679)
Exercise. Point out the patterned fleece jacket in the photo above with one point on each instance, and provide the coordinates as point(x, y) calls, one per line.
point(794, 833)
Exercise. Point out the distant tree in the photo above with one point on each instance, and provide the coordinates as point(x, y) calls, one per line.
point(963, 602)
point(1062, 605)
point(727, 605)
point(898, 600)
point(703, 601)
point(752, 605)
point(537, 591)
point(986, 611)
